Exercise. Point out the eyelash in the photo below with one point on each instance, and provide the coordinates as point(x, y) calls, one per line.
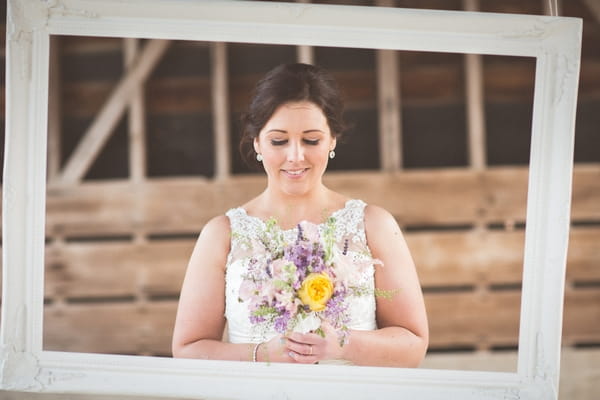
point(307, 141)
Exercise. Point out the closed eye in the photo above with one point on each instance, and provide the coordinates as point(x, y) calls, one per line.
point(311, 142)
point(278, 142)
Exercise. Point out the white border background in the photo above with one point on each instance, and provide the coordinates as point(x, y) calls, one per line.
point(554, 41)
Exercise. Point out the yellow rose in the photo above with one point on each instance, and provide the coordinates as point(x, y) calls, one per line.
point(316, 290)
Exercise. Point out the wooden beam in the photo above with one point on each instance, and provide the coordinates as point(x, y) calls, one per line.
point(137, 119)
point(388, 98)
point(390, 131)
point(475, 103)
point(102, 126)
point(552, 7)
point(305, 54)
point(220, 101)
point(54, 109)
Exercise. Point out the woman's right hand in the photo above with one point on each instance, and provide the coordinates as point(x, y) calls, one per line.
point(274, 350)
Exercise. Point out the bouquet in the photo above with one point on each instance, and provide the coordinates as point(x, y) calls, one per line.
point(303, 282)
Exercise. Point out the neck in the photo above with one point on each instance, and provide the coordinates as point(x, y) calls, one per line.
point(291, 209)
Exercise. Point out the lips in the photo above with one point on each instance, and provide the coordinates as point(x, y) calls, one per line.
point(295, 173)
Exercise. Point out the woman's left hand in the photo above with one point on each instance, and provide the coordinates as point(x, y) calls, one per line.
point(309, 348)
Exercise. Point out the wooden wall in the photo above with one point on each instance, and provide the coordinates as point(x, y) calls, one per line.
point(117, 247)
point(117, 253)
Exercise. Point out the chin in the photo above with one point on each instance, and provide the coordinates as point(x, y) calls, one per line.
point(296, 189)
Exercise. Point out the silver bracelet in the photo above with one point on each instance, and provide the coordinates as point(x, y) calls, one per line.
point(255, 351)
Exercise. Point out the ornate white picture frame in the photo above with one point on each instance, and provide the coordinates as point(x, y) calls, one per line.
point(555, 43)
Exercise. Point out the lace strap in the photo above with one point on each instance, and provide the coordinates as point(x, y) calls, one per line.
point(242, 227)
point(235, 216)
point(350, 221)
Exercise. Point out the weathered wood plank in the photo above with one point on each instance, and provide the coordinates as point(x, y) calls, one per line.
point(583, 257)
point(586, 193)
point(505, 191)
point(473, 319)
point(474, 258)
point(508, 80)
point(116, 328)
point(477, 319)
point(581, 319)
point(444, 260)
point(105, 270)
point(429, 78)
point(84, 99)
point(165, 95)
point(421, 198)
point(492, 318)
point(94, 209)
point(182, 95)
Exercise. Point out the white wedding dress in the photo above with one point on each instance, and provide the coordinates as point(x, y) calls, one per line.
point(245, 229)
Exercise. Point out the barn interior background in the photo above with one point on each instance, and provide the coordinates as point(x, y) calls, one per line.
point(142, 140)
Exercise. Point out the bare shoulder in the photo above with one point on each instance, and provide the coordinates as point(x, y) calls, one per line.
point(378, 219)
point(212, 246)
point(381, 229)
point(216, 232)
point(218, 225)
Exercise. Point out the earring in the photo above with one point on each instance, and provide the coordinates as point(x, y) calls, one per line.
point(331, 154)
point(259, 157)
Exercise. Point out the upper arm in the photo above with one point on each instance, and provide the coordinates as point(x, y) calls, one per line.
point(406, 307)
point(200, 314)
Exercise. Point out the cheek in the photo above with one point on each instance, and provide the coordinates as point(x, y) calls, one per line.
point(320, 156)
point(273, 158)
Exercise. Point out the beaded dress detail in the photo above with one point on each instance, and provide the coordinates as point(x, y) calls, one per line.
point(349, 237)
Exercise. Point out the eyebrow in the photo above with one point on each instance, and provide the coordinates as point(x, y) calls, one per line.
point(284, 131)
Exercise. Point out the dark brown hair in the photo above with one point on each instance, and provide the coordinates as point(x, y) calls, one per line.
point(290, 83)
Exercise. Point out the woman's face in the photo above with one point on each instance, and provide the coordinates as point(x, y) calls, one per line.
point(295, 144)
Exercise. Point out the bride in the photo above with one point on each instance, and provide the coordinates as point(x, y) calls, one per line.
point(291, 128)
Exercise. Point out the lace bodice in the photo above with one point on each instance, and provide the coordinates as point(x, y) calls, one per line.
point(349, 234)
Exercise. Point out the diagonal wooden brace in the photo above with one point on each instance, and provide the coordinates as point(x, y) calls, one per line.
point(104, 123)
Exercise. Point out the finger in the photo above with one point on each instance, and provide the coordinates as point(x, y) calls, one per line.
point(301, 348)
point(310, 338)
point(303, 359)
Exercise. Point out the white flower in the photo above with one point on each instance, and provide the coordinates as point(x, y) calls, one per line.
point(349, 270)
point(307, 323)
point(310, 231)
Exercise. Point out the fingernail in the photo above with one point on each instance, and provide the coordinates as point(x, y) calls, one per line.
point(291, 354)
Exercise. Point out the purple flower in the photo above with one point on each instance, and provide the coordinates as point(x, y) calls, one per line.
point(300, 237)
point(336, 310)
point(308, 257)
point(282, 321)
point(256, 319)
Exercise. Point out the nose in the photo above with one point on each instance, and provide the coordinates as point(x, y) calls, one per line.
point(295, 151)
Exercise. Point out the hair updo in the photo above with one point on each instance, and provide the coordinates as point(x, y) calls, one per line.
point(291, 83)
